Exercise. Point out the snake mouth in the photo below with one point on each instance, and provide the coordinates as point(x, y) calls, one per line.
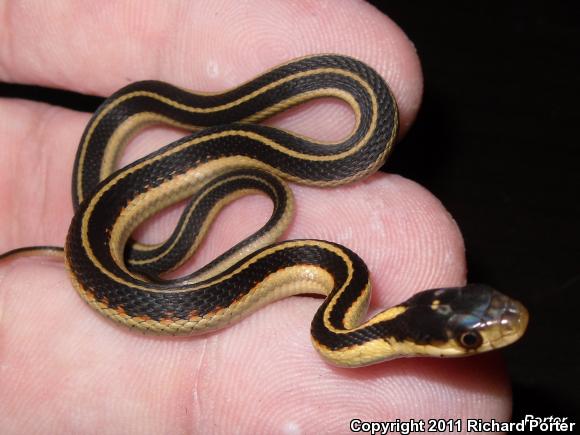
point(513, 324)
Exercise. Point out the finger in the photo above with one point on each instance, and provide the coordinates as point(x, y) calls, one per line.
point(399, 229)
point(41, 142)
point(36, 158)
point(409, 242)
point(60, 43)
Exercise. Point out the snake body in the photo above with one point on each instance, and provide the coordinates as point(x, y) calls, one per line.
point(229, 154)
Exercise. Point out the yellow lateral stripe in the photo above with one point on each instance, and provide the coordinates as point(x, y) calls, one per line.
point(230, 105)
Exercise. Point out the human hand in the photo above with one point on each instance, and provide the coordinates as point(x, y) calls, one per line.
point(65, 369)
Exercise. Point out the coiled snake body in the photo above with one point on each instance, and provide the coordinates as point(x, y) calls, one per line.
point(227, 155)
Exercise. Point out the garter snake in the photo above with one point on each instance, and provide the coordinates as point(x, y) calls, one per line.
point(228, 153)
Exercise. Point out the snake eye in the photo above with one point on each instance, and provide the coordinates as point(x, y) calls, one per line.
point(470, 340)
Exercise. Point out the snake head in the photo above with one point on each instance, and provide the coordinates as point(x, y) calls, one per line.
point(461, 321)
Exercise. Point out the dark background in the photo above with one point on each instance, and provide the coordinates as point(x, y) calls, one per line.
point(496, 140)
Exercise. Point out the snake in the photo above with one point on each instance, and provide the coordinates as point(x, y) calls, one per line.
point(228, 152)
